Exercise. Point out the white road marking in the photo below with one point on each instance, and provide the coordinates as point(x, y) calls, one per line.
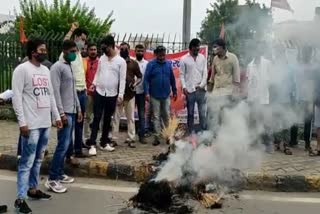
point(254, 197)
point(86, 186)
point(280, 199)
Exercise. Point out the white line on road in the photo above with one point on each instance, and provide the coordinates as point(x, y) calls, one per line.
point(255, 197)
point(280, 199)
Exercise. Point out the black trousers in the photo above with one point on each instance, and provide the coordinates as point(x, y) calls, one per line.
point(106, 105)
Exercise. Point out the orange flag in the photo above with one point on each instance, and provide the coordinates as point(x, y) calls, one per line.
point(222, 32)
point(23, 38)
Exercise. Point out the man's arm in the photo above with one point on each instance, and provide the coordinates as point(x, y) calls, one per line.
point(211, 79)
point(137, 74)
point(56, 82)
point(182, 73)
point(74, 26)
point(146, 80)
point(173, 81)
point(204, 74)
point(236, 76)
point(17, 88)
point(122, 78)
point(53, 103)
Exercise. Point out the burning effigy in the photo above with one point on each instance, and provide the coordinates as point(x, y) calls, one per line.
point(168, 190)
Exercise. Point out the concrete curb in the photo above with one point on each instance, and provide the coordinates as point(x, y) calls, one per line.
point(250, 181)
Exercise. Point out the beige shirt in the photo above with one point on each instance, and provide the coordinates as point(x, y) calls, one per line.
point(226, 72)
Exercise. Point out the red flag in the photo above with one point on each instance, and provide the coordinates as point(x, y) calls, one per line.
point(222, 32)
point(282, 4)
point(23, 38)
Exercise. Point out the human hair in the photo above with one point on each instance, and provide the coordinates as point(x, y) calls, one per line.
point(32, 46)
point(125, 43)
point(79, 31)
point(139, 46)
point(68, 44)
point(221, 43)
point(91, 44)
point(160, 49)
point(109, 41)
point(194, 43)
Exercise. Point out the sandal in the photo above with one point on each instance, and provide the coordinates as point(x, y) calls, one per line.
point(287, 151)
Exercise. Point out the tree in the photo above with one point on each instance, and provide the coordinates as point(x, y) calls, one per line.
point(244, 24)
point(41, 18)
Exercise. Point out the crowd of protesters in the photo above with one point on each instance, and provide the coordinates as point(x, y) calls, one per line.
point(83, 94)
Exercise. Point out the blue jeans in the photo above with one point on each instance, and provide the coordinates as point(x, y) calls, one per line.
point(64, 138)
point(140, 101)
point(78, 129)
point(161, 113)
point(198, 97)
point(32, 153)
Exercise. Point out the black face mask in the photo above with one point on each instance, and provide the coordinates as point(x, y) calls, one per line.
point(124, 54)
point(84, 54)
point(195, 52)
point(139, 57)
point(41, 57)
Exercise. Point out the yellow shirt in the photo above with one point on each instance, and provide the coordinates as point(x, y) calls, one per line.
point(226, 73)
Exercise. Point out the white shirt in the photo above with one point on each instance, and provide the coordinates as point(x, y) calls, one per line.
point(142, 65)
point(259, 81)
point(193, 72)
point(33, 99)
point(110, 79)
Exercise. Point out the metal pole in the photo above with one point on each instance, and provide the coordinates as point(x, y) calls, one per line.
point(186, 25)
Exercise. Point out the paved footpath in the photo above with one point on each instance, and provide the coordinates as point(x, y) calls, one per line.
point(298, 172)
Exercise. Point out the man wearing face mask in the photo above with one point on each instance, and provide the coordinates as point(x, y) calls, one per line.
point(224, 83)
point(133, 78)
point(79, 36)
point(193, 76)
point(108, 87)
point(140, 99)
point(159, 82)
point(64, 84)
point(33, 101)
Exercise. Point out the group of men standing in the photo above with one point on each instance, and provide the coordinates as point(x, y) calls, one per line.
point(83, 93)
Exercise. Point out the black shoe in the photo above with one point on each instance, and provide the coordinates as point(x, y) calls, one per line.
point(131, 145)
point(22, 207)
point(85, 145)
point(113, 143)
point(39, 196)
point(143, 140)
point(3, 209)
point(80, 155)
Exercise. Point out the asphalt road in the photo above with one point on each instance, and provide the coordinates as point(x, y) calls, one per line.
point(94, 196)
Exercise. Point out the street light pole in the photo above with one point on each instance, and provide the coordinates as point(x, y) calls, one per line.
point(186, 25)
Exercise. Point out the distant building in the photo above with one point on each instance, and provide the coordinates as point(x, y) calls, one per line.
point(6, 23)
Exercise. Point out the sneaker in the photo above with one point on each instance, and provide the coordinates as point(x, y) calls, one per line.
point(92, 151)
point(107, 147)
point(22, 207)
point(66, 179)
point(3, 209)
point(39, 195)
point(55, 186)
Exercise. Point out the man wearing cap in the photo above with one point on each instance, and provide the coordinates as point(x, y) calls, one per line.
point(224, 83)
point(159, 81)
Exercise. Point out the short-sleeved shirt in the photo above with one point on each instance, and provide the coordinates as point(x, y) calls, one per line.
point(133, 71)
point(226, 72)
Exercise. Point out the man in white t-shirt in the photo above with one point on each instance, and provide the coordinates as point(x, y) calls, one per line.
point(258, 75)
point(33, 102)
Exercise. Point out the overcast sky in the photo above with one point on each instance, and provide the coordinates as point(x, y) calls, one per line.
point(158, 16)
